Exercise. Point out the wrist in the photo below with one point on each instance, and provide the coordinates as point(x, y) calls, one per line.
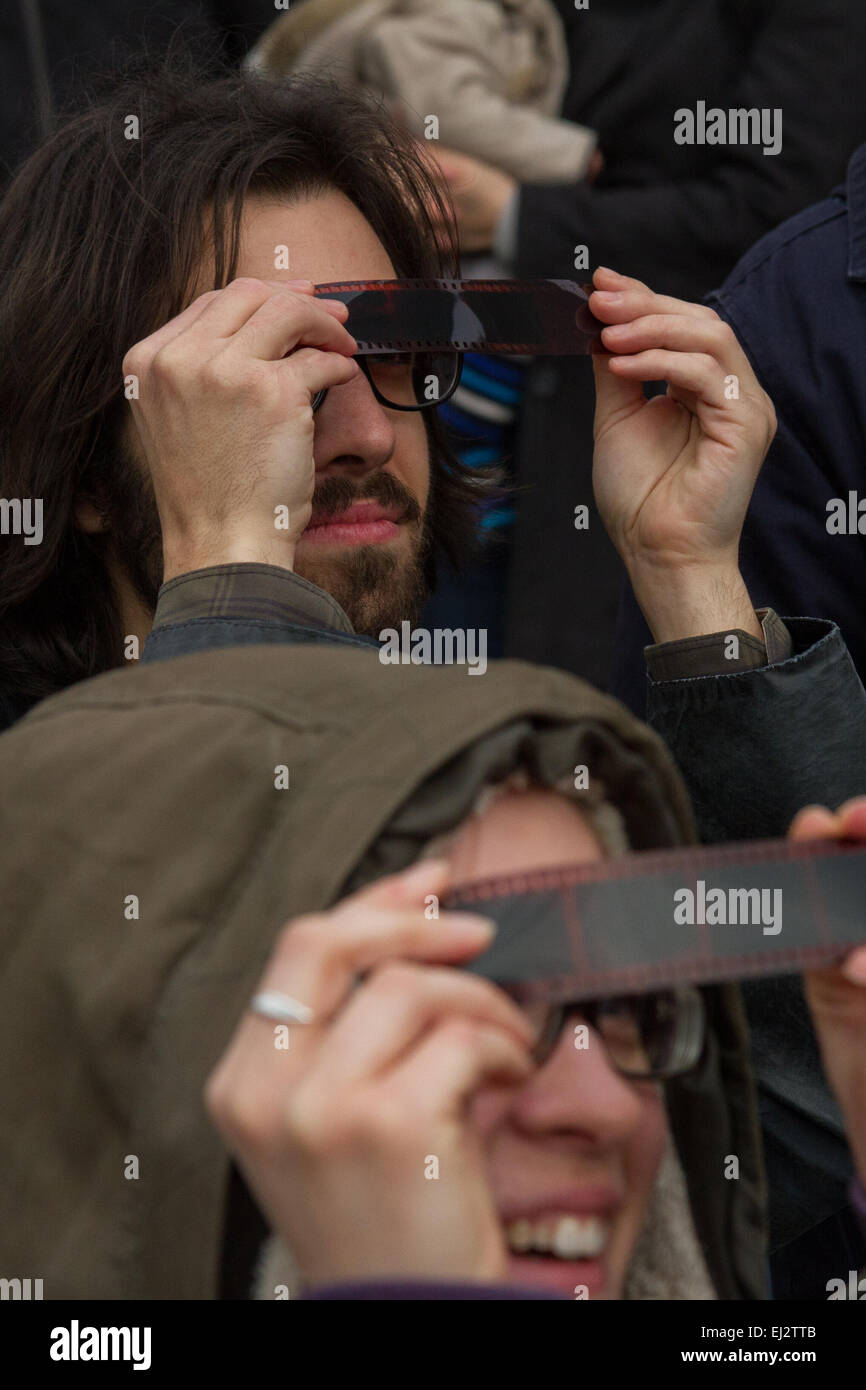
point(693, 600)
point(185, 555)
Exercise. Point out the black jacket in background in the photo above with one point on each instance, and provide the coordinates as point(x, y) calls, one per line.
point(50, 49)
point(676, 216)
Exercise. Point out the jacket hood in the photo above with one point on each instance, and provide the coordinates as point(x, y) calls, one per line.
point(150, 861)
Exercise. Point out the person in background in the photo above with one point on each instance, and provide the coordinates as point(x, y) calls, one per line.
point(797, 303)
point(675, 215)
point(51, 52)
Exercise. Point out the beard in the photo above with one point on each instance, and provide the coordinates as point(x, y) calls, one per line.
point(375, 587)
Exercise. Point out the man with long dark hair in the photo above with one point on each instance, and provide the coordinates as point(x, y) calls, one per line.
point(165, 191)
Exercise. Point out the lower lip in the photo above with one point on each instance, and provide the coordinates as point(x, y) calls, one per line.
point(351, 533)
point(557, 1276)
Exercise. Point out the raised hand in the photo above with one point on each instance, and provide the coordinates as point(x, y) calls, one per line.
point(224, 417)
point(673, 475)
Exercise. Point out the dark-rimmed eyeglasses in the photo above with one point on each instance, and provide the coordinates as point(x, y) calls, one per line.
point(408, 380)
point(647, 1037)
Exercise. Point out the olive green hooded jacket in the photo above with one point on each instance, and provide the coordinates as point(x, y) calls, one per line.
point(150, 852)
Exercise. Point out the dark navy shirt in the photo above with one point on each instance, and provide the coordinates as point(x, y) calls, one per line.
point(797, 302)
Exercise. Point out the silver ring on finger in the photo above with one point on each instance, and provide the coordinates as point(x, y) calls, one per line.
point(281, 1008)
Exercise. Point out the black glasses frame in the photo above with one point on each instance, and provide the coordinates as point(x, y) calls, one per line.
point(361, 359)
point(589, 1010)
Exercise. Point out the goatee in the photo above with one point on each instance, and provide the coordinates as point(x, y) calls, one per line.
point(375, 587)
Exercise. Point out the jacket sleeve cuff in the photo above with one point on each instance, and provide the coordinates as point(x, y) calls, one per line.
point(246, 593)
point(721, 653)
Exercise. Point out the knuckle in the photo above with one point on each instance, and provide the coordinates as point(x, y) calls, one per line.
point(492, 995)
point(169, 366)
point(659, 323)
point(246, 284)
point(284, 297)
point(311, 1127)
point(380, 1123)
point(228, 376)
point(134, 361)
point(258, 1128)
point(160, 368)
point(659, 329)
point(217, 1094)
point(241, 1115)
point(724, 334)
point(462, 1032)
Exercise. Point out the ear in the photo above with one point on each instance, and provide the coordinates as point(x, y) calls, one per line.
point(89, 518)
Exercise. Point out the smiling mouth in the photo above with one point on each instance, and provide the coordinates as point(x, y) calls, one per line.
point(560, 1237)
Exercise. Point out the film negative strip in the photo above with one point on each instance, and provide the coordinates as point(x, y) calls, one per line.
point(650, 920)
point(524, 317)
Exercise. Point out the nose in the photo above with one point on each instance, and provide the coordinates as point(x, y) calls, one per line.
point(577, 1091)
point(354, 433)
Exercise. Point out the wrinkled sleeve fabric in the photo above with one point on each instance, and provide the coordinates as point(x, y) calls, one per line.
point(715, 654)
point(755, 746)
point(242, 605)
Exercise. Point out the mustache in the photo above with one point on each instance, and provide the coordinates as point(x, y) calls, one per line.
point(336, 495)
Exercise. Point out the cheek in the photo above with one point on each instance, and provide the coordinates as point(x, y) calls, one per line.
point(647, 1143)
point(488, 1108)
point(411, 461)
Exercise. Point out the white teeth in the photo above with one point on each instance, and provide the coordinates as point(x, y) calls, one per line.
point(542, 1237)
point(578, 1240)
point(520, 1235)
point(566, 1237)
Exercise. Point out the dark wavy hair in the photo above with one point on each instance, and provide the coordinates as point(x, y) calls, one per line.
point(101, 240)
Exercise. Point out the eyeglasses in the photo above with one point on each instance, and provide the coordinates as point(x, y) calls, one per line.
point(408, 380)
point(647, 1036)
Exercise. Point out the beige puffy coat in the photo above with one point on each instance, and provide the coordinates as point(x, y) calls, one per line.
point(492, 72)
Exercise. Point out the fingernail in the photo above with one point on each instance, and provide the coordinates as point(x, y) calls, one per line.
point(473, 920)
point(609, 296)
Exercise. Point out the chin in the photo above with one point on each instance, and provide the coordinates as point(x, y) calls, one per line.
point(376, 586)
